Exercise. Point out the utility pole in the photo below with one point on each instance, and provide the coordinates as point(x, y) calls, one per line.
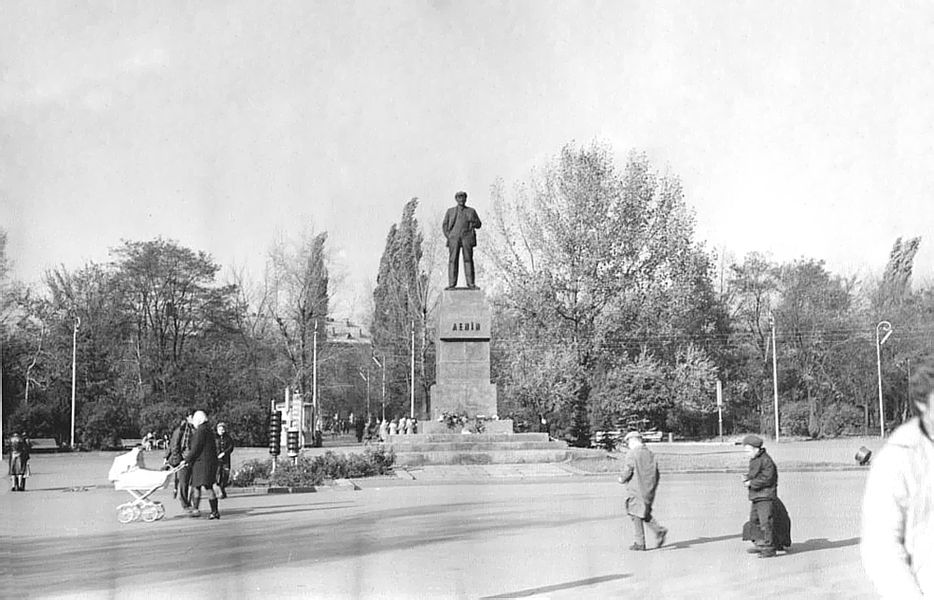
point(720, 408)
point(366, 378)
point(774, 375)
point(412, 375)
point(314, 387)
point(381, 365)
point(74, 362)
point(883, 325)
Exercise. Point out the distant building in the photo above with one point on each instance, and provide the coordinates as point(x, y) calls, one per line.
point(347, 331)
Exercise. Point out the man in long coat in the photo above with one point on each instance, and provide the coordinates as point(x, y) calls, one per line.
point(458, 227)
point(640, 475)
point(202, 459)
point(178, 446)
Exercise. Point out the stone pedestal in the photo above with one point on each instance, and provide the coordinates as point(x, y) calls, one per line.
point(463, 356)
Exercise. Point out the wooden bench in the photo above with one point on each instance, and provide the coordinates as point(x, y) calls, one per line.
point(130, 443)
point(43, 445)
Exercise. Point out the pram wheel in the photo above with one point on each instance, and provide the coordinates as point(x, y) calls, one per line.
point(150, 513)
point(127, 513)
point(159, 508)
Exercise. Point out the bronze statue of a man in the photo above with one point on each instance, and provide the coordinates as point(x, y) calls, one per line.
point(460, 223)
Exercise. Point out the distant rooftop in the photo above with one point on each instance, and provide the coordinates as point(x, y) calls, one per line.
point(347, 331)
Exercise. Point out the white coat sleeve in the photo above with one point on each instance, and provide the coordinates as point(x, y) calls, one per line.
point(882, 546)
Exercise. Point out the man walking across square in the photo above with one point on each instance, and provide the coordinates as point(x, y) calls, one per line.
point(640, 476)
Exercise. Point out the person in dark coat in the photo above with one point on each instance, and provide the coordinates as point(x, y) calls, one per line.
point(179, 444)
point(762, 483)
point(202, 459)
point(225, 447)
point(460, 223)
point(640, 475)
point(359, 426)
point(19, 462)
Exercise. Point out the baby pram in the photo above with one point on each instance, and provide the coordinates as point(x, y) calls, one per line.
point(130, 474)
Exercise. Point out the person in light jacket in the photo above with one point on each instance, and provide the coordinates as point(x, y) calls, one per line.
point(640, 476)
point(898, 503)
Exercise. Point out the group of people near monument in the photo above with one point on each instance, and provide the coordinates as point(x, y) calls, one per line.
point(203, 456)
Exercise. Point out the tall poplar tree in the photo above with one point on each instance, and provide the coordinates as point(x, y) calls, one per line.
point(401, 307)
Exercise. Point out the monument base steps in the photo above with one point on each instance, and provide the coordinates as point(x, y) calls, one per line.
point(481, 449)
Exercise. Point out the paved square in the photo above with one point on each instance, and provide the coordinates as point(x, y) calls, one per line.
point(551, 537)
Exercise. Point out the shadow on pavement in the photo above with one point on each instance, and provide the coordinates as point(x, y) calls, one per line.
point(703, 540)
point(190, 548)
point(558, 587)
point(820, 544)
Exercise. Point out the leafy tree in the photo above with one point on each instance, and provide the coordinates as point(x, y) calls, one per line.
point(599, 259)
point(814, 314)
point(172, 295)
point(297, 301)
point(751, 295)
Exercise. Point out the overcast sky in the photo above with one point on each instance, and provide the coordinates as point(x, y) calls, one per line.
point(797, 128)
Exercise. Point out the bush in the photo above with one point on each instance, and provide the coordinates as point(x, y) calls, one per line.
point(250, 471)
point(839, 418)
point(794, 418)
point(305, 473)
point(312, 470)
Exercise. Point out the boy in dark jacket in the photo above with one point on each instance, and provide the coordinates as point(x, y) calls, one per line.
point(225, 447)
point(762, 482)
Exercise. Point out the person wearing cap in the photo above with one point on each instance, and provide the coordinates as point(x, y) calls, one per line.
point(460, 223)
point(762, 483)
point(898, 502)
point(640, 476)
point(225, 447)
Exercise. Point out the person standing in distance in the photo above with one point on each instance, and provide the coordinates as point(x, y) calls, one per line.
point(640, 476)
point(202, 459)
point(762, 482)
point(19, 462)
point(898, 503)
point(460, 223)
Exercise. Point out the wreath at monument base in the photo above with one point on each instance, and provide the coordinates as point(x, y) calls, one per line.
point(463, 424)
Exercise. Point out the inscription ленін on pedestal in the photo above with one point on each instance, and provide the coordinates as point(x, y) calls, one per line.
point(463, 384)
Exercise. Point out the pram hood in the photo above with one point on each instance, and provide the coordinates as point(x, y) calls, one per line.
point(125, 463)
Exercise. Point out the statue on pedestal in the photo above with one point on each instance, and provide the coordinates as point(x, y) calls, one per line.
point(460, 223)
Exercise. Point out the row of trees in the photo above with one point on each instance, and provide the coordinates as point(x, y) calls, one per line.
point(607, 312)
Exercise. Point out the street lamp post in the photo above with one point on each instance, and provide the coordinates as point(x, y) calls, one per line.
point(74, 362)
point(887, 327)
point(366, 378)
point(774, 374)
point(381, 365)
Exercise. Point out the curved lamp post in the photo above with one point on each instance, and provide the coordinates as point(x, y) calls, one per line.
point(886, 327)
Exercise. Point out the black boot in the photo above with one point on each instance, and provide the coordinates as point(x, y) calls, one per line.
point(22, 483)
point(214, 513)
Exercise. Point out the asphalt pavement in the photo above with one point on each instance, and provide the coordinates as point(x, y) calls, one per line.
point(559, 536)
